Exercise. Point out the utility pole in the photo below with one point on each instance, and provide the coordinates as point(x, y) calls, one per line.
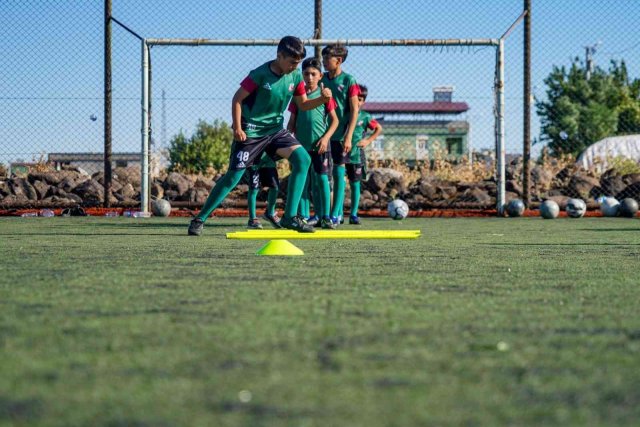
point(317, 31)
point(589, 52)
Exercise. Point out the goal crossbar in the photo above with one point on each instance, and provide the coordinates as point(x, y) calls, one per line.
point(322, 42)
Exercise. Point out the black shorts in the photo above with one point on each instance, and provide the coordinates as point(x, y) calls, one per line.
point(354, 172)
point(245, 153)
point(263, 177)
point(338, 155)
point(320, 162)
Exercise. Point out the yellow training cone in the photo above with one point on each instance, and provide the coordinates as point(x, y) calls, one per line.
point(280, 247)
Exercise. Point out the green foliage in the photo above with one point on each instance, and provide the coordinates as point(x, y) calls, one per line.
point(209, 147)
point(623, 165)
point(579, 112)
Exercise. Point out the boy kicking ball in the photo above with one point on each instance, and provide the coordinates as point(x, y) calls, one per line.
point(257, 109)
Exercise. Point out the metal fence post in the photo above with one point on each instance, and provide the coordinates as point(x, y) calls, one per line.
point(144, 190)
point(500, 149)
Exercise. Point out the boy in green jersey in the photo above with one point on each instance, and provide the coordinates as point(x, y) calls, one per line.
point(257, 109)
point(345, 91)
point(264, 174)
point(357, 159)
point(311, 129)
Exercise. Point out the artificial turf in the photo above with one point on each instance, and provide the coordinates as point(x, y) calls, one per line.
point(480, 321)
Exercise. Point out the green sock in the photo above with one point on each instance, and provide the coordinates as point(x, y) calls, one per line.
point(338, 189)
point(271, 201)
point(251, 199)
point(304, 207)
point(317, 203)
point(219, 192)
point(300, 161)
point(324, 196)
point(355, 197)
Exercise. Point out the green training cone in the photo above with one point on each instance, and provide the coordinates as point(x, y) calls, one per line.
point(280, 247)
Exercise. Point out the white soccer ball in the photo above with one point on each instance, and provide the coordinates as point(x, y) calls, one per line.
point(609, 206)
point(549, 209)
point(161, 207)
point(398, 209)
point(576, 208)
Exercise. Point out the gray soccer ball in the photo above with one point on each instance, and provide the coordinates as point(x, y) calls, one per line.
point(576, 208)
point(515, 208)
point(549, 209)
point(161, 207)
point(628, 208)
point(609, 206)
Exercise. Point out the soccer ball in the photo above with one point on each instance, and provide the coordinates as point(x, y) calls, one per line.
point(161, 207)
point(549, 209)
point(576, 208)
point(515, 208)
point(398, 209)
point(609, 206)
point(628, 208)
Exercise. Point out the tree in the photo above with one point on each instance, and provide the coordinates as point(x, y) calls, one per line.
point(579, 112)
point(209, 147)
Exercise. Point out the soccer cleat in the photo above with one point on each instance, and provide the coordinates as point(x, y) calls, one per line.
point(196, 226)
point(296, 223)
point(341, 219)
point(334, 219)
point(327, 224)
point(273, 219)
point(254, 224)
point(313, 221)
point(354, 220)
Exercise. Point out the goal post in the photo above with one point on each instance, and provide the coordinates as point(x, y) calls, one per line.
point(498, 89)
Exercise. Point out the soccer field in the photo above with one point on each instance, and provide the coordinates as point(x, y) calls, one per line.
point(480, 321)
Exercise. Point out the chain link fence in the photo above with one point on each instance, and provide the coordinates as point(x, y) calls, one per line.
point(436, 104)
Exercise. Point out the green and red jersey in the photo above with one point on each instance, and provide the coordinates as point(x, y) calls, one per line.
point(262, 110)
point(343, 87)
point(312, 124)
point(364, 122)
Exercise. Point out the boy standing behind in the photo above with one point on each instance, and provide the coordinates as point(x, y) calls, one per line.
point(357, 160)
point(265, 174)
point(345, 91)
point(257, 110)
point(310, 128)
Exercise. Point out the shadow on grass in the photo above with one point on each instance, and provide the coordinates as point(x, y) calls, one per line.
point(559, 244)
point(184, 225)
point(608, 230)
point(101, 234)
point(20, 410)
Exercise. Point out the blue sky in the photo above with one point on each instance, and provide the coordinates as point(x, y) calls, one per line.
point(51, 62)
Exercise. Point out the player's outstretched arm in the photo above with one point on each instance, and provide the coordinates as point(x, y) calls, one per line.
point(305, 104)
point(236, 114)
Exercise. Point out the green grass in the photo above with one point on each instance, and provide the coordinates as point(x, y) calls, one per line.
point(117, 321)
